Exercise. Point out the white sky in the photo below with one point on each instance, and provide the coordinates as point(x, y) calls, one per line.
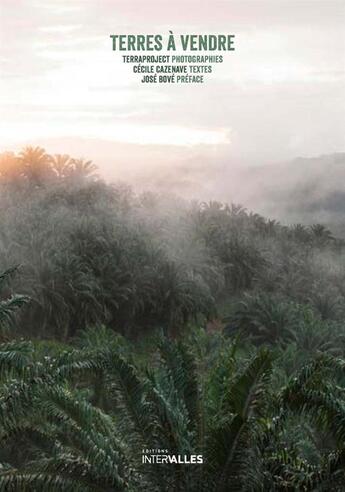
point(279, 95)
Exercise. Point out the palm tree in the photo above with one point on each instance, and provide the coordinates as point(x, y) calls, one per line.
point(82, 170)
point(263, 317)
point(36, 165)
point(9, 303)
point(177, 297)
point(61, 164)
point(321, 234)
point(301, 233)
point(229, 415)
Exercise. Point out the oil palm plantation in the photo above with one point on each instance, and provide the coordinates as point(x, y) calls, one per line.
point(262, 401)
point(227, 414)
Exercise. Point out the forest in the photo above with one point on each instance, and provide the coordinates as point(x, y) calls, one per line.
point(133, 321)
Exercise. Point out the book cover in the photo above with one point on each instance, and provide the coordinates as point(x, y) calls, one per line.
point(172, 245)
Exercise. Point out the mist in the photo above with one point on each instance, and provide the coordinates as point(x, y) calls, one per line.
point(304, 189)
point(185, 225)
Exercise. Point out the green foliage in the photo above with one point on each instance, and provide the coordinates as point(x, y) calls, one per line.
point(9, 305)
point(262, 317)
point(155, 323)
point(93, 253)
point(84, 414)
point(231, 417)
